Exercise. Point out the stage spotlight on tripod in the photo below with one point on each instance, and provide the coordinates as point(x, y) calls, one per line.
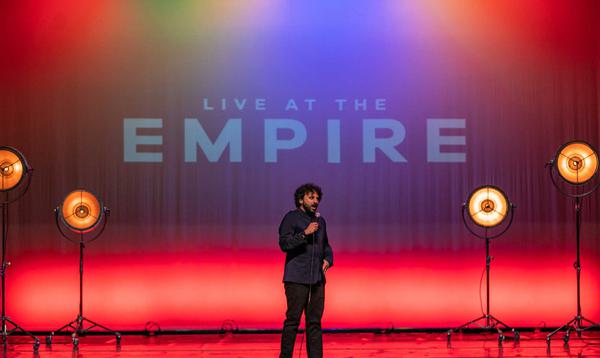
point(574, 172)
point(15, 177)
point(81, 218)
point(487, 214)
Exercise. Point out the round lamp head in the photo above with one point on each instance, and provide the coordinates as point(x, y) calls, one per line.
point(576, 162)
point(81, 211)
point(13, 168)
point(488, 206)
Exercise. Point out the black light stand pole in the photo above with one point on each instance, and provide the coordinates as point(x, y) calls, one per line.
point(77, 325)
point(577, 264)
point(491, 322)
point(580, 192)
point(488, 261)
point(577, 322)
point(80, 316)
point(6, 320)
point(4, 265)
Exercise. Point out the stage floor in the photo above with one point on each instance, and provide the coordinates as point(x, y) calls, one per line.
point(336, 345)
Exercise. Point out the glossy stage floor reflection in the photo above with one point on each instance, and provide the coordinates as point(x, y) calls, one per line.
point(336, 345)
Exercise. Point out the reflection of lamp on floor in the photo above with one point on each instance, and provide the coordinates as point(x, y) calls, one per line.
point(487, 208)
point(576, 164)
point(15, 177)
point(81, 218)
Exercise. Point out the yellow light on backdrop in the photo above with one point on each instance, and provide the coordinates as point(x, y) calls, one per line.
point(577, 162)
point(11, 169)
point(81, 210)
point(488, 206)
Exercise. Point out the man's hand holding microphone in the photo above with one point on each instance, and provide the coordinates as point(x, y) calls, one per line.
point(311, 228)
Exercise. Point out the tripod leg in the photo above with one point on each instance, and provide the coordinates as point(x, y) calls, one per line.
point(498, 322)
point(65, 327)
point(501, 337)
point(450, 331)
point(567, 335)
point(72, 325)
point(469, 323)
point(568, 324)
point(593, 324)
point(96, 324)
point(36, 341)
point(517, 336)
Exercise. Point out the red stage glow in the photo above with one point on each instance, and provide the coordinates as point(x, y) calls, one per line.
point(201, 291)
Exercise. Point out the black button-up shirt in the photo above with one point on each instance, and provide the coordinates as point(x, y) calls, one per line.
point(301, 249)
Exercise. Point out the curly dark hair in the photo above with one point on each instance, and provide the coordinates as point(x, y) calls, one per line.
point(305, 189)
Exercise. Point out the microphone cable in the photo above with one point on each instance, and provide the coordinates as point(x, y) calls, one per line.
point(312, 256)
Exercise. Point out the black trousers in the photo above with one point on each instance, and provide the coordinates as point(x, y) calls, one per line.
point(297, 299)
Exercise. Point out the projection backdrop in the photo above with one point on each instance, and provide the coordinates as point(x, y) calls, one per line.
point(195, 121)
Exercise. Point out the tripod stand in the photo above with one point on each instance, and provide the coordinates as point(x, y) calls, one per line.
point(576, 323)
point(576, 163)
point(6, 321)
point(487, 207)
point(77, 326)
point(490, 322)
point(15, 178)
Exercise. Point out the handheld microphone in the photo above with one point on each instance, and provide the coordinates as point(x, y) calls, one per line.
point(315, 219)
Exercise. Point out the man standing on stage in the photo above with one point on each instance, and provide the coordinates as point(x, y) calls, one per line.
point(303, 237)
